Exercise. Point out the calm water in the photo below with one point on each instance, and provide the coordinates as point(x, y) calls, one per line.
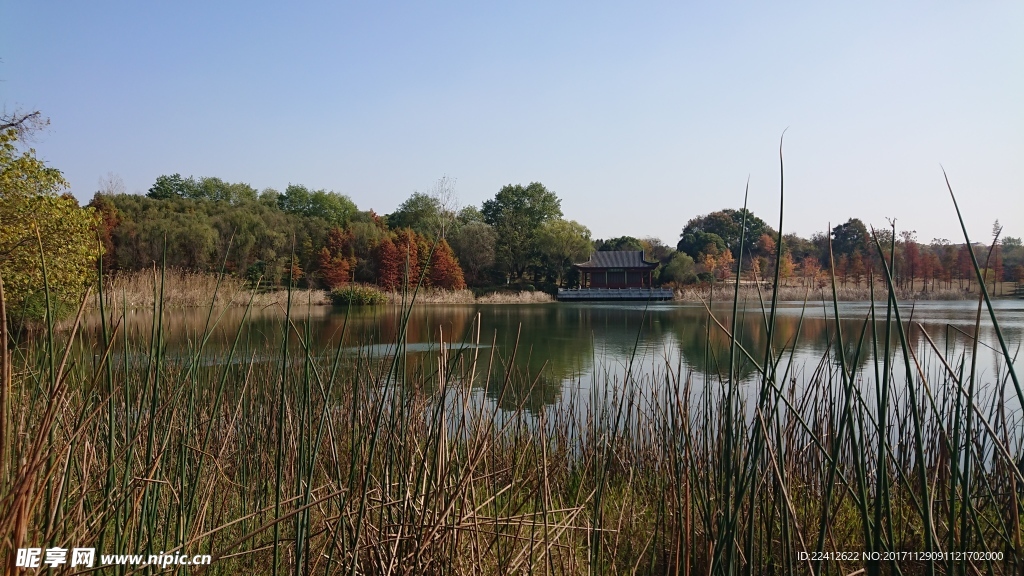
point(563, 346)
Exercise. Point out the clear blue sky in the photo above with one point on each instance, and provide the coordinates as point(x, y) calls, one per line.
point(638, 115)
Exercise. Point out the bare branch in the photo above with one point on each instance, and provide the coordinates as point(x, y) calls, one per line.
point(23, 123)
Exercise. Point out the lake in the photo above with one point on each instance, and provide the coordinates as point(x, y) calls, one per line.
point(570, 346)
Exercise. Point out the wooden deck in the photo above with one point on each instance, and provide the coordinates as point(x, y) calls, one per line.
point(613, 294)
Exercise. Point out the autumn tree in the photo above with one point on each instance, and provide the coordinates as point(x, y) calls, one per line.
point(786, 267)
point(390, 264)
point(810, 270)
point(911, 256)
point(408, 244)
point(108, 221)
point(842, 268)
point(444, 270)
point(857, 268)
point(725, 264)
point(334, 270)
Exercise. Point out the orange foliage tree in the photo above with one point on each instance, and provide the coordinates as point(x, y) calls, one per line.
point(334, 270)
point(390, 265)
point(407, 245)
point(444, 268)
point(337, 258)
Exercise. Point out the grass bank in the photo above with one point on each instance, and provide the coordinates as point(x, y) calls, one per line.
point(433, 296)
point(186, 289)
point(862, 293)
point(176, 288)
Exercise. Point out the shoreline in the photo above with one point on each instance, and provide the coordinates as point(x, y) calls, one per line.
point(183, 289)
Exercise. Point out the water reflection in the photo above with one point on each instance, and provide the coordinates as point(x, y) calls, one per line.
point(557, 346)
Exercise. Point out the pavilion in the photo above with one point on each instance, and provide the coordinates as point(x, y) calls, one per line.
point(616, 275)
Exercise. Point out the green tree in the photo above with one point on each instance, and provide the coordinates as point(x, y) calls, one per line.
point(562, 243)
point(420, 213)
point(473, 244)
point(335, 208)
point(174, 186)
point(469, 214)
point(517, 213)
point(218, 190)
point(620, 243)
point(31, 200)
point(851, 237)
point(727, 225)
point(680, 270)
point(698, 243)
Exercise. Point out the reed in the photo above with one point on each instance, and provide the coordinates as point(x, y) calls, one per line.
point(297, 459)
point(188, 289)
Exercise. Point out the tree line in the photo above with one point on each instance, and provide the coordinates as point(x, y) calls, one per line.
point(321, 239)
point(519, 236)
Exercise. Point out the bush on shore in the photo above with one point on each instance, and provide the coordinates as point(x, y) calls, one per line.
point(357, 295)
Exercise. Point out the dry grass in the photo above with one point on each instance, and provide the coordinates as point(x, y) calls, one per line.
point(724, 291)
point(186, 289)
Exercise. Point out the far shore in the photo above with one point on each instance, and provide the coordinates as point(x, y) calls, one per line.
point(182, 289)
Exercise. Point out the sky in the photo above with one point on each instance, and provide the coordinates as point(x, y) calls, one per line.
point(638, 115)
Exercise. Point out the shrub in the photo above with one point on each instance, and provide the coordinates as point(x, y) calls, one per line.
point(358, 296)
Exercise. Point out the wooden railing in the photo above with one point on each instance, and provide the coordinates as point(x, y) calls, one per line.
point(578, 294)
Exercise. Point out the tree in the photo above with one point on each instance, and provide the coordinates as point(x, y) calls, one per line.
point(620, 243)
point(31, 200)
point(728, 226)
point(516, 213)
point(911, 255)
point(467, 215)
point(333, 269)
point(174, 186)
point(851, 237)
point(698, 243)
point(444, 270)
point(857, 269)
point(335, 208)
point(562, 243)
point(337, 258)
point(409, 257)
point(443, 193)
point(473, 243)
point(680, 270)
point(22, 124)
point(810, 269)
point(724, 264)
point(656, 249)
point(108, 221)
point(111, 185)
point(390, 265)
point(420, 213)
point(842, 268)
